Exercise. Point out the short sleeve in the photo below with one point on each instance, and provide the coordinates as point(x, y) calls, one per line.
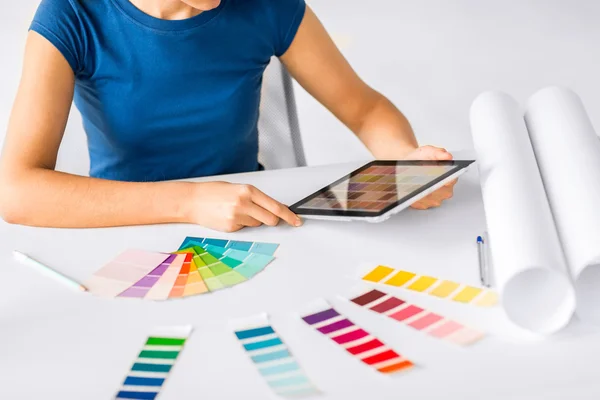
point(288, 15)
point(59, 22)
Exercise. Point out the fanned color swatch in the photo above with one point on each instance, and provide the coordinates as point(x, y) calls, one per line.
point(252, 247)
point(154, 363)
point(226, 275)
point(246, 263)
point(441, 288)
point(201, 268)
point(162, 288)
point(124, 272)
point(355, 340)
point(272, 357)
point(182, 278)
point(416, 317)
point(143, 286)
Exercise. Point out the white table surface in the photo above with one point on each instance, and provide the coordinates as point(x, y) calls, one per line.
point(60, 344)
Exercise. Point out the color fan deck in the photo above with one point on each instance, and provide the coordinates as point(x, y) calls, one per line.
point(199, 266)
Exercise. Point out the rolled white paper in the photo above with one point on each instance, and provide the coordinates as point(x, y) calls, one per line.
point(529, 265)
point(568, 154)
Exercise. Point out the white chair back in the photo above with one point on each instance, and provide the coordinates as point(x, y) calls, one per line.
point(280, 143)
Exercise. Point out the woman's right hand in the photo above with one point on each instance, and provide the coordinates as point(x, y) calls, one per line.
point(230, 207)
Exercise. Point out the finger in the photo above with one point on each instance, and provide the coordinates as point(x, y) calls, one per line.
point(451, 183)
point(442, 154)
point(275, 208)
point(258, 213)
point(232, 228)
point(443, 193)
point(420, 205)
point(247, 220)
point(429, 202)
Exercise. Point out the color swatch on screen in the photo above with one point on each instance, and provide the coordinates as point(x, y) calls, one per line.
point(416, 317)
point(376, 187)
point(441, 288)
point(354, 339)
point(252, 247)
point(154, 363)
point(272, 358)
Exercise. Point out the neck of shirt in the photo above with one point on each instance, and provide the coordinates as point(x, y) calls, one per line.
point(201, 18)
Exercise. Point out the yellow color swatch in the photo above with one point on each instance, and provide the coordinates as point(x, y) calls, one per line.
point(422, 284)
point(400, 278)
point(378, 274)
point(195, 284)
point(467, 294)
point(489, 299)
point(444, 289)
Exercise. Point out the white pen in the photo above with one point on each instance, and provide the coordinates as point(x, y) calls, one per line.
point(30, 262)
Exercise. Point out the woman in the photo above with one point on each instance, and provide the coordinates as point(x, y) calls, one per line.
point(170, 89)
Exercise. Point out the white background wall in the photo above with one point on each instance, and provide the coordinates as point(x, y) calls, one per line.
point(430, 57)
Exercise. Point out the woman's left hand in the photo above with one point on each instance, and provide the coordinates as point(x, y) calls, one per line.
point(436, 198)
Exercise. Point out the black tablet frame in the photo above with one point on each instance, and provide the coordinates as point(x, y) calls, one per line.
point(458, 164)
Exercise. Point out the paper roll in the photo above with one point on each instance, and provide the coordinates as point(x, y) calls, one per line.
point(529, 266)
point(568, 154)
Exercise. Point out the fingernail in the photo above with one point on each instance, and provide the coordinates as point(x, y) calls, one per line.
point(298, 222)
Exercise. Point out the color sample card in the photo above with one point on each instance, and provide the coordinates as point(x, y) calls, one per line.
point(416, 317)
point(207, 276)
point(376, 187)
point(143, 286)
point(246, 263)
point(187, 272)
point(123, 272)
point(180, 282)
point(154, 363)
point(163, 287)
point(441, 288)
point(195, 284)
point(225, 274)
point(355, 340)
point(272, 357)
point(252, 247)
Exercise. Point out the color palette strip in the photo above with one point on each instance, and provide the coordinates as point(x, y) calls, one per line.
point(163, 287)
point(355, 340)
point(179, 286)
point(246, 263)
point(154, 363)
point(186, 272)
point(441, 288)
point(207, 276)
point(143, 286)
point(224, 273)
point(252, 247)
point(272, 357)
point(123, 272)
point(416, 317)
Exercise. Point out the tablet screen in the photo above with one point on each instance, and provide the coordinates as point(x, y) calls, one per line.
point(377, 187)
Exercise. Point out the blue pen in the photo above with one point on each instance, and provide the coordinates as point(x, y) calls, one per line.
point(482, 267)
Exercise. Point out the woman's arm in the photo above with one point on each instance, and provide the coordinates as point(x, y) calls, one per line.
point(317, 64)
point(32, 193)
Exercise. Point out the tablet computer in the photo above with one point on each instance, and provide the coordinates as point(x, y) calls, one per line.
point(379, 189)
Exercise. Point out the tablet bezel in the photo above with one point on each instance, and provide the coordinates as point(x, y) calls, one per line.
point(458, 166)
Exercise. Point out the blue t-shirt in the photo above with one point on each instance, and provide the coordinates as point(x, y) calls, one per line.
point(169, 99)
